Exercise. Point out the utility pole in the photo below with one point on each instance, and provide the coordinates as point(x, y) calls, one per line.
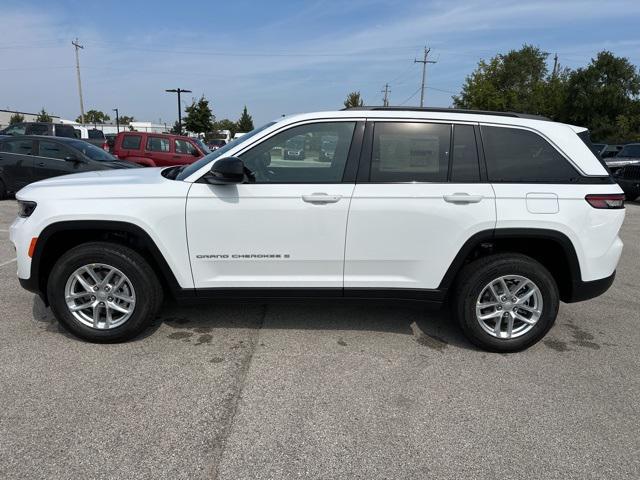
point(424, 62)
point(386, 91)
point(78, 46)
point(117, 120)
point(555, 66)
point(179, 91)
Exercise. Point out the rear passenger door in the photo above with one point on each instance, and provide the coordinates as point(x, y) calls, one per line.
point(159, 150)
point(184, 152)
point(414, 206)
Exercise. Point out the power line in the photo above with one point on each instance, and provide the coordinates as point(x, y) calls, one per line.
point(424, 62)
point(412, 95)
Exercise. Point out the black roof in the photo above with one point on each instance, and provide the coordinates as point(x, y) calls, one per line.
point(38, 137)
point(452, 110)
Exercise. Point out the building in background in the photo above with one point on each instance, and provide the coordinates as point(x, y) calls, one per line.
point(5, 117)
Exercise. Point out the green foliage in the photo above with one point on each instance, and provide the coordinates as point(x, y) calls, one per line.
point(94, 116)
point(199, 117)
point(517, 81)
point(176, 130)
point(16, 118)
point(602, 96)
point(245, 124)
point(353, 100)
point(43, 116)
point(125, 119)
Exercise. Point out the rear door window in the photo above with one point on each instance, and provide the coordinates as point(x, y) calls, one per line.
point(21, 147)
point(515, 155)
point(53, 150)
point(410, 152)
point(131, 142)
point(158, 144)
point(465, 167)
point(185, 148)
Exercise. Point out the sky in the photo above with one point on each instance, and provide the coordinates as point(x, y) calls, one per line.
point(282, 57)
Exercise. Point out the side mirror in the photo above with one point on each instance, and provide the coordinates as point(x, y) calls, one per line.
point(195, 153)
point(227, 171)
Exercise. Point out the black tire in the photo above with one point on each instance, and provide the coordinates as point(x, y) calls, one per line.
point(631, 196)
point(133, 265)
point(476, 275)
point(3, 190)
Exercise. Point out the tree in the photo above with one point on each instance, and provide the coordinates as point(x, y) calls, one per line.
point(226, 124)
point(43, 116)
point(94, 116)
point(125, 119)
point(604, 97)
point(245, 124)
point(353, 100)
point(199, 117)
point(16, 118)
point(176, 130)
point(518, 81)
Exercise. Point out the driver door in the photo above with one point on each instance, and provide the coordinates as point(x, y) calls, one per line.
point(286, 228)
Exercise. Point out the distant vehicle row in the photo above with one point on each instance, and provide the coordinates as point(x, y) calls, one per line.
point(92, 135)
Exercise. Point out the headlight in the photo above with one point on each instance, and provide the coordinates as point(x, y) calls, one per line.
point(26, 208)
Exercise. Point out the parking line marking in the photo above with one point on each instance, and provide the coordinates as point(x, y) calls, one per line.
point(8, 262)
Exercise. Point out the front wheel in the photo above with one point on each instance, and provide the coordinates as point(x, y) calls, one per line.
point(505, 302)
point(103, 292)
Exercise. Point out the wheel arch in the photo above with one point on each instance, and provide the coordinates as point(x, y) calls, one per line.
point(59, 237)
point(551, 248)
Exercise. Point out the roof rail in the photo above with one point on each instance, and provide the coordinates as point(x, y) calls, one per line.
point(452, 110)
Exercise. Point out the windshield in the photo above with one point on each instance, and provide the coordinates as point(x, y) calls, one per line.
point(202, 145)
point(630, 151)
point(194, 167)
point(91, 151)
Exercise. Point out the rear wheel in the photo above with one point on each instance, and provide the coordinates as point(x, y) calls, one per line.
point(505, 302)
point(3, 190)
point(104, 292)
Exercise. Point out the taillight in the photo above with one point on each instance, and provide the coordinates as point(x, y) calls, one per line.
point(596, 200)
point(105, 146)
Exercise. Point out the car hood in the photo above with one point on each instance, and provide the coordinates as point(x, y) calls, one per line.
point(112, 183)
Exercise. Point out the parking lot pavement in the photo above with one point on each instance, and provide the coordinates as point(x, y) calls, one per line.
point(321, 391)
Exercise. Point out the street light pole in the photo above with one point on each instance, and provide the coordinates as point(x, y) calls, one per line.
point(117, 120)
point(179, 91)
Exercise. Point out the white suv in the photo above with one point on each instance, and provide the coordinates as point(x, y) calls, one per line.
point(500, 215)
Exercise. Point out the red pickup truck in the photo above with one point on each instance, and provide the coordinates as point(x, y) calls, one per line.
point(158, 149)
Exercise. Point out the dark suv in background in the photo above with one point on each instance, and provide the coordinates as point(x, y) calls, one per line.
point(28, 158)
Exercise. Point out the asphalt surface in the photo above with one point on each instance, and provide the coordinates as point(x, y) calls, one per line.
point(320, 391)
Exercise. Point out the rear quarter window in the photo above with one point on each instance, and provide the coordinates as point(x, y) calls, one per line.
point(131, 142)
point(514, 155)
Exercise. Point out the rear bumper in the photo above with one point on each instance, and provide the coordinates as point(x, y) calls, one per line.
point(582, 291)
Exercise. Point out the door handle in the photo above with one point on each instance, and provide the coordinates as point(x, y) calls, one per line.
point(462, 198)
point(41, 164)
point(321, 198)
